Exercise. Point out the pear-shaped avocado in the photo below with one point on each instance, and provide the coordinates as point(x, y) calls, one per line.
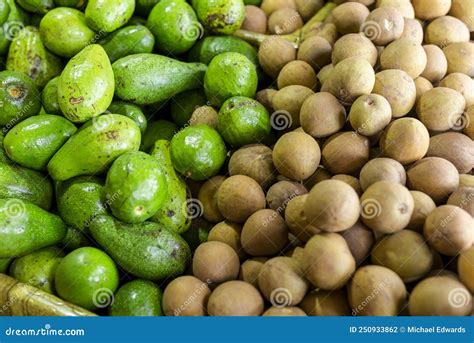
point(137, 298)
point(145, 250)
point(36, 6)
point(220, 16)
point(26, 228)
point(86, 85)
point(108, 15)
point(49, 97)
point(146, 79)
point(94, 147)
point(28, 55)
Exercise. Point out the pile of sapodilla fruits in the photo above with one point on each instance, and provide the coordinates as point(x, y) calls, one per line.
point(365, 205)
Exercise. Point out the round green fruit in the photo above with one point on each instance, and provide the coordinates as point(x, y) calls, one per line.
point(137, 298)
point(221, 16)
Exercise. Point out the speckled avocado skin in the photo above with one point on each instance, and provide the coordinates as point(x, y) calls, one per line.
point(36, 6)
point(220, 16)
point(133, 39)
point(86, 85)
point(26, 228)
point(137, 298)
point(145, 250)
point(49, 97)
point(130, 110)
point(108, 15)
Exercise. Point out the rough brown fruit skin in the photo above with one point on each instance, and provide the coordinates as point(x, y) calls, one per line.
point(459, 56)
point(324, 73)
point(431, 9)
point(406, 140)
point(345, 153)
point(284, 312)
point(296, 155)
point(422, 86)
point(386, 207)
point(328, 262)
point(384, 287)
point(296, 220)
point(424, 205)
point(354, 45)
point(463, 197)
point(250, 269)
point(360, 240)
point(208, 197)
point(406, 55)
point(270, 6)
point(446, 30)
point(235, 298)
point(319, 175)
point(316, 51)
point(434, 176)
point(454, 147)
point(404, 7)
point(186, 296)
point(332, 205)
point(404, 252)
point(350, 180)
point(264, 234)
point(449, 230)
point(281, 281)
point(349, 16)
point(462, 84)
point(387, 23)
point(297, 73)
point(255, 20)
point(256, 162)
point(228, 233)
point(265, 97)
point(370, 114)
point(215, 262)
point(436, 63)
point(289, 100)
point(204, 115)
point(465, 270)
point(440, 296)
point(274, 54)
point(382, 169)
point(308, 8)
point(280, 194)
point(412, 30)
point(238, 197)
point(326, 303)
point(284, 21)
point(322, 115)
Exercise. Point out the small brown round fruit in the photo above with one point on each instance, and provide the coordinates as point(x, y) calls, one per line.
point(250, 269)
point(350, 180)
point(349, 16)
point(296, 220)
point(265, 97)
point(382, 169)
point(284, 312)
point(326, 303)
point(412, 30)
point(186, 296)
point(461, 83)
point(284, 21)
point(406, 55)
point(354, 45)
point(297, 73)
point(205, 115)
point(464, 10)
point(208, 198)
point(274, 54)
point(316, 51)
point(424, 205)
point(308, 8)
point(464, 198)
point(431, 9)
point(383, 25)
point(459, 56)
point(255, 20)
point(436, 65)
point(446, 30)
point(270, 6)
point(422, 86)
point(324, 73)
point(215, 262)
point(279, 195)
point(465, 270)
point(360, 240)
point(454, 147)
point(468, 122)
point(370, 114)
point(288, 101)
point(403, 6)
point(228, 233)
point(345, 153)
point(235, 298)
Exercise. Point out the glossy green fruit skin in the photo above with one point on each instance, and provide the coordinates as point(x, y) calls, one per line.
point(16, 19)
point(74, 239)
point(87, 277)
point(19, 98)
point(25, 184)
point(230, 74)
point(64, 31)
point(36, 6)
point(49, 97)
point(145, 250)
point(93, 148)
point(172, 214)
point(160, 129)
point(70, 3)
point(38, 268)
point(137, 298)
point(79, 200)
point(126, 41)
point(198, 152)
point(3, 155)
point(130, 110)
point(183, 105)
point(26, 228)
point(4, 264)
point(137, 182)
point(86, 85)
point(221, 16)
point(108, 15)
point(4, 11)
point(146, 79)
point(243, 121)
point(34, 141)
point(28, 55)
point(175, 26)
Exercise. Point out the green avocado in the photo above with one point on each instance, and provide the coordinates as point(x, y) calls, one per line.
point(64, 31)
point(4, 11)
point(49, 97)
point(36, 6)
point(34, 141)
point(16, 20)
point(146, 79)
point(220, 16)
point(243, 121)
point(160, 129)
point(128, 41)
point(130, 110)
point(94, 147)
point(198, 152)
point(175, 26)
point(183, 105)
point(25, 184)
point(108, 15)
point(4, 264)
point(70, 3)
point(19, 98)
point(86, 85)
point(28, 55)
point(137, 298)
point(87, 277)
point(230, 74)
point(145, 250)
point(26, 228)
point(38, 268)
point(74, 239)
point(136, 181)
point(173, 212)
point(79, 200)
